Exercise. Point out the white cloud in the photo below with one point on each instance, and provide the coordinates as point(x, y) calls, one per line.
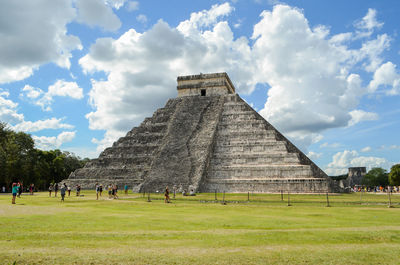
point(386, 75)
point(53, 142)
point(65, 89)
point(8, 110)
point(9, 114)
point(205, 18)
point(312, 88)
point(53, 123)
point(98, 13)
point(368, 24)
point(366, 149)
point(141, 18)
point(36, 34)
point(132, 6)
point(360, 115)
point(304, 71)
point(341, 161)
point(117, 4)
point(60, 88)
point(372, 50)
point(32, 92)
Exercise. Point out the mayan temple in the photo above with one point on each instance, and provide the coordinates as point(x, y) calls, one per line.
point(207, 139)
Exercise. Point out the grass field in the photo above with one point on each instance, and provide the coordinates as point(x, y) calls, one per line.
point(356, 229)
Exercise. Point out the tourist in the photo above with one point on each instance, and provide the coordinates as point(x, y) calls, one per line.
point(31, 187)
point(115, 191)
point(78, 190)
point(166, 195)
point(19, 189)
point(109, 190)
point(97, 188)
point(15, 188)
point(69, 190)
point(101, 189)
point(62, 192)
point(3, 189)
point(126, 189)
point(55, 190)
point(50, 189)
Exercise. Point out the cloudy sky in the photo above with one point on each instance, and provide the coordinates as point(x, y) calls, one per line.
point(78, 74)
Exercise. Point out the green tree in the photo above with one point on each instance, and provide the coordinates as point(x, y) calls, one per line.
point(376, 177)
point(21, 161)
point(394, 175)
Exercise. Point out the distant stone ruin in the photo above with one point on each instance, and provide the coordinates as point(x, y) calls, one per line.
point(356, 175)
point(207, 139)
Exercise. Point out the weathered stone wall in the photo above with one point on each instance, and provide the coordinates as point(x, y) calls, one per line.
point(356, 175)
point(251, 155)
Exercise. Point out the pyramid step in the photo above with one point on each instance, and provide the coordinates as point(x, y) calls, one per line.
point(249, 142)
point(223, 159)
point(263, 147)
point(245, 134)
point(234, 114)
point(125, 150)
point(261, 171)
point(243, 125)
point(229, 119)
point(235, 107)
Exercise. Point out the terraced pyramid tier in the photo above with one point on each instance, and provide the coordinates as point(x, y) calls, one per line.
point(207, 139)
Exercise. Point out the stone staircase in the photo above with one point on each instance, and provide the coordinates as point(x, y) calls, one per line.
point(184, 156)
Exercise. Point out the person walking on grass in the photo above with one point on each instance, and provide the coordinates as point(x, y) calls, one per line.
point(55, 190)
point(126, 189)
point(62, 192)
point(78, 190)
point(19, 189)
point(50, 189)
point(101, 189)
point(97, 191)
point(166, 195)
point(69, 190)
point(31, 187)
point(15, 188)
point(115, 191)
point(109, 187)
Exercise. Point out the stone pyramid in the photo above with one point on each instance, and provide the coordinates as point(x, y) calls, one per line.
point(207, 139)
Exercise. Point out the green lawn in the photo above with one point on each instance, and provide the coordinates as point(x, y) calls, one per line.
point(198, 230)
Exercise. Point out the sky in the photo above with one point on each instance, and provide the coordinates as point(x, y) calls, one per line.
point(79, 74)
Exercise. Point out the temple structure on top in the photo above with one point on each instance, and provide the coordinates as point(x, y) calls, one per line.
point(207, 139)
point(205, 85)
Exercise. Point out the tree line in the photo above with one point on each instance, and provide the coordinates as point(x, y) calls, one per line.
point(21, 161)
point(380, 177)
